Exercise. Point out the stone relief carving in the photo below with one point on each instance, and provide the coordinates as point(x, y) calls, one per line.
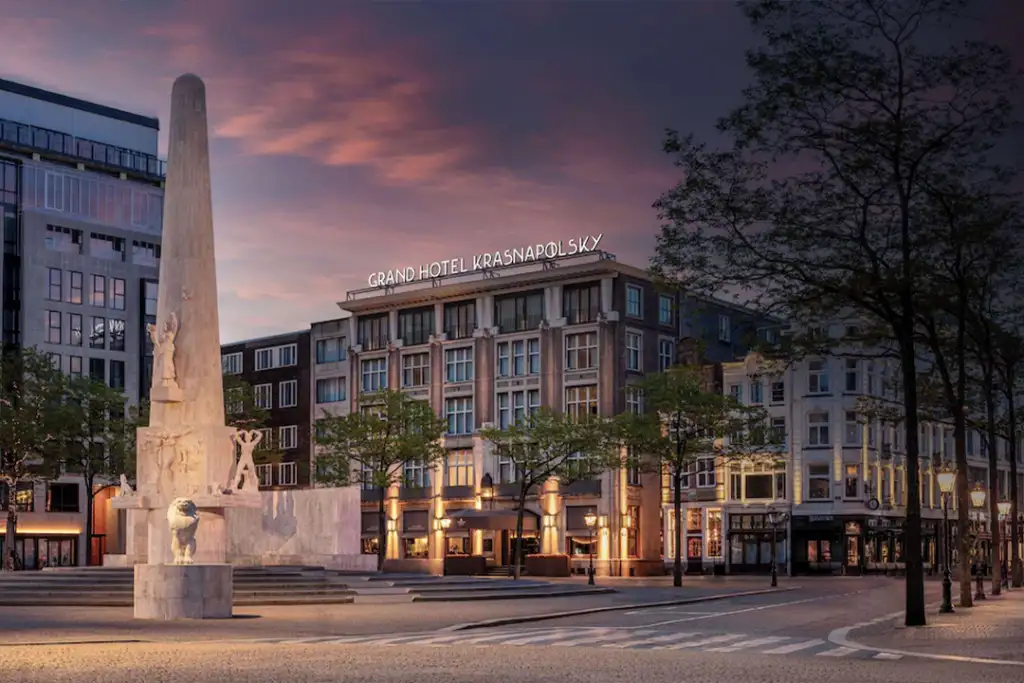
point(164, 373)
point(183, 519)
point(245, 471)
point(126, 488)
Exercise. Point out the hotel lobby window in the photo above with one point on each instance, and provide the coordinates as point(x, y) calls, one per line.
point(519, 358)
point(459, 468)
point(416, 326)
point(373, 332)
point(415, 369)
point(519, 312)
point(581, 351)
point(459, 412)
point(819, 482)
point(415, 548)
point(459, 319)
point(581, 303)
point(458, 364)
point(374, 374)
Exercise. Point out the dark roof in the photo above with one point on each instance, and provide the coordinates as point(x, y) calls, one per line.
point(81, 105)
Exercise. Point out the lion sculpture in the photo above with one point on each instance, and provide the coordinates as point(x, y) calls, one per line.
point(183, 518)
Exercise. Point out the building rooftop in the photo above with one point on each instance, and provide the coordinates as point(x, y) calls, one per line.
point(81, 105)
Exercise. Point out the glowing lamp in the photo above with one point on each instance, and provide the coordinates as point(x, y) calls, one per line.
point(1004, 508)
point(947, 478)
point(590, 519)
point(978, 496)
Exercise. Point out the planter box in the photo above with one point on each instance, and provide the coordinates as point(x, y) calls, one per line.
point(547, 565)
point(465, 565)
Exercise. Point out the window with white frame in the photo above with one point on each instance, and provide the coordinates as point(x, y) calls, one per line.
point(817, 377)
point(666, 309)
point(778, 434)
point(263, 395)
point(366, 476)
point(581, 400)
point(415, 369)
point(458, 364)
point(415, 475)
point(459, 468)
point(330, 390)
point(265, 474)
point(852, 375)
point(817, 429)
point(736, 392)
point(231, 363)
point(634, 351)
point(852, 429)
point(705, 473)
point(267, 442)
point(634, 301)
point(581, 351)
point(374, 373)
point(724, 328)
point(634, 399)
point(287, 474)
point(288, 394)
point(288, 437)
point(779, 391)
point(519, 358)
point(508, 472)
point(819, 482)
point(666, 354)
point(459, 412)
point(514, 406)
point(277, 357)
point(756, 392)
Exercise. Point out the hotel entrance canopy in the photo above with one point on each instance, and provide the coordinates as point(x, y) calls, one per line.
point(492, 520)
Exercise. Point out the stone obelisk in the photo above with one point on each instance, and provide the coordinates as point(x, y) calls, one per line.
point(186, 456)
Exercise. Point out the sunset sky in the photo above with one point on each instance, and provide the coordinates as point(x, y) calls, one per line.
point(350, 137)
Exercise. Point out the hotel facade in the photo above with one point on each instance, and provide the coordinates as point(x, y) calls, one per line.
point(573, 333)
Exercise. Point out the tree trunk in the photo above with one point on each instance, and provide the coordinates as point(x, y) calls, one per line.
point(89, 505)
point(10, 558)
point(993, 493)
point(963, 502)
point(677, 510)
point(1017, 576)
point(382, 533)
point(915, 608)
point(517, 547)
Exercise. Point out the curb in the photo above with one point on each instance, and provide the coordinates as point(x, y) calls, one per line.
point(840, 637)
point(512, 595)
point(507, 621)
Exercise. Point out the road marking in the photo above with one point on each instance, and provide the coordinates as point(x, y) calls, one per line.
point(741, 611)
point(887, 655)
point(619, 635)
point(743, 645)
point(706, 641)
point(657, 639)
point(554, 635)
point(795, 647)
point(838, 652)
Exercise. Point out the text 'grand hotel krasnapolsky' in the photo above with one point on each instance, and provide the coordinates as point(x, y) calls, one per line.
point(508, 257)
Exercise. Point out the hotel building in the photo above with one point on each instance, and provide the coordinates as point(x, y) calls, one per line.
point(843, 480)
point(277, 368)
point(81, 201)
point(572, 333)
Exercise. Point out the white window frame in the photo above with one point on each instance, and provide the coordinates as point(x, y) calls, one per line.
point(514, 406)
point(265, 475)
point(458, 364)
point(666, 354)
point(283, 356)
point(634, 351)
point(852, 428)
point(817, 377)
point(373, 374)
point(289, 386)
point(634, 301)
point(724, 328)
point(458, 468)
point(756, 392)
point(634, 399)
point(706, 472)
point(581, 351)
point(264, 359)
point(231, 363)
point(287, 474)
point(415, 366)
point(663, 309)
point(827, 476)
point(781, 386)
point(267, 442)
point(580, 397)
point(818, 429)
point(340, 393)
point(263, 396)
point(288, 437)
point(415, 475)
point(458, 412)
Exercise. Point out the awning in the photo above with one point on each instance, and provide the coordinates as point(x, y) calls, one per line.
point(495, 520)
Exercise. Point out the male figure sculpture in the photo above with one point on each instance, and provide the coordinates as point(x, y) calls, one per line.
point(245, 471)
point(183, 518)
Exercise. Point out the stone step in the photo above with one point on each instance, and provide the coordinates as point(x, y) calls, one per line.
point(509, 595)
point(383, 599)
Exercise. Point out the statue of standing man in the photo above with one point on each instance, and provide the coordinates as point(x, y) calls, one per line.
point(165, 383)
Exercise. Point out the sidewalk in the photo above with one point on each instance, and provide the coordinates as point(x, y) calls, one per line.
point(994, 629)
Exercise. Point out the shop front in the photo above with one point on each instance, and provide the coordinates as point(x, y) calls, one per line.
point(42, 551)
point(818, 544)
point(750, 544)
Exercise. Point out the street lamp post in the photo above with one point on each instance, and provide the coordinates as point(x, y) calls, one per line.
point(775, 519)
point(445, 522)
point(978, 496)
point(947, 479)
point(1004, 516)
point(590, 519)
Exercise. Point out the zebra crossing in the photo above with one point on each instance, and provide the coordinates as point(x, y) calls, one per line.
point(609, 638)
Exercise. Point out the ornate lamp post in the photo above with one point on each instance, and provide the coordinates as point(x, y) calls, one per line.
point(487, 489)
point(978, 496)
point(590, 519)
point(445, 523)
point(947, 479)
point(776, 518)
point(1004, 520)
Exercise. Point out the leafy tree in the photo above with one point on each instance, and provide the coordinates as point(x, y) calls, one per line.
point(373, 446)
point(818, 211)
point(686, 419)
point(98, 440)
point(32, 421)
point(549, 444)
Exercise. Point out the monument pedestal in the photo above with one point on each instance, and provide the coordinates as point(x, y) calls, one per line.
point(183, 591)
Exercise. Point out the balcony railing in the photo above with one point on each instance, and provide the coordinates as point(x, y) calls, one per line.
point(36, 139)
